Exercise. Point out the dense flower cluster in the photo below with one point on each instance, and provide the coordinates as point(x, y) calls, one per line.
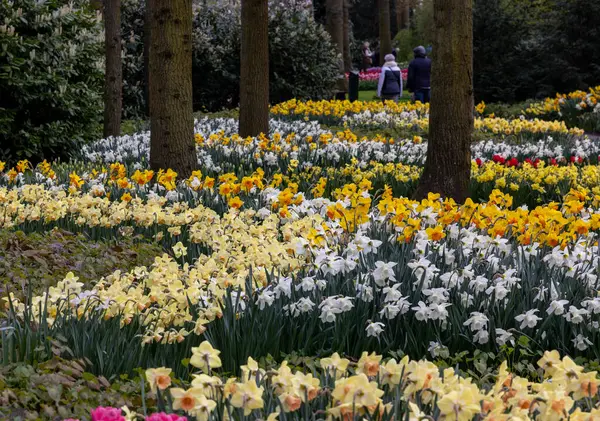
point(404, 114)
point(583, 101)
point(372, 74)
point(459, 262)
point(311, 231)
point(372, 388)
point(310, 145)
point(341, 108)
point(298, 163)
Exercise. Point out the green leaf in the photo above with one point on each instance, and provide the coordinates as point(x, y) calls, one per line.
point(89, 377)
point(55, 392)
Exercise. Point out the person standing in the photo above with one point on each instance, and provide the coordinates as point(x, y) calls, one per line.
point(419, 76)
point(390, 80)
point(367, 56)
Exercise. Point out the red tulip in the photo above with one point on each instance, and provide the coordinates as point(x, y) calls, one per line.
point(498, 159)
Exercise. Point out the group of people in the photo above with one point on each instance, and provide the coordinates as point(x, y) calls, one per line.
point(390, 84)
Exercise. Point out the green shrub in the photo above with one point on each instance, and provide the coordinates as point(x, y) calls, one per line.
point(405, 43)
point(51, 77)
point(61, 388)
point(132, 38)
point(302, 59)
point(216, 59)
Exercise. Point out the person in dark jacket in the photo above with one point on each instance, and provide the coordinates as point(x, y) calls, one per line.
point(390, 80)
point(419, 76)
point(376, 58)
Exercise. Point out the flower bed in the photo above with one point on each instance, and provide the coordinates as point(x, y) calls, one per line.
point(579, 108)
point(413, 115)
point(370, 387)
point(300, 249)
point(369, 79)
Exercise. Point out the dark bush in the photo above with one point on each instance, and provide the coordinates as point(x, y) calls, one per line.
point(51, 75)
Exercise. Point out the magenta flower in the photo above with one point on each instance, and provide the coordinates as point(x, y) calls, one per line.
point(161, 416)
point(107, 414)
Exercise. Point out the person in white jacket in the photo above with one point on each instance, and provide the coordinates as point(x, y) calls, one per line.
point(390, 80)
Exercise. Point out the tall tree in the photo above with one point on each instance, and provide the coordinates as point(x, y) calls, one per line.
point(403, 14)
point(406, 14)
point(113, 79)
point(346, 50)
point(254, 71)
point(385, 32)
point(147, 42)
point(448, 166)
point(335, 27)
point(170, 79)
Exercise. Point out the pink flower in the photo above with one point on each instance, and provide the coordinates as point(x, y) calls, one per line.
point(161, 416)
point(107, 414)
point(70, 419)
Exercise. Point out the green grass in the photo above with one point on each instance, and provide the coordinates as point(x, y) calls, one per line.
point(372, 96)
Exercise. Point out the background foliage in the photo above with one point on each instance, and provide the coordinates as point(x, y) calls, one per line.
point(51, 76)
point(535, 49)
point(522, 50)
point(302, 58)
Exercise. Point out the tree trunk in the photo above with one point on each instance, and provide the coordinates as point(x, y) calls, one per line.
point(147, 41)
point(403, 14)
point(385, 34)
point(335, 27)
point(347, 23)
point(406, 15)
point(113, 79)
point(254, 71)
point(171, 120)
point(399, 8)
point(448, 167)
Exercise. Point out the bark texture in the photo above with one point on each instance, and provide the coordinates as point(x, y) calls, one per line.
point(399, 7)
point(171, 120)
point(147, 41)
point(403, 14)
point(335, 27)
point(385, 31)
point(448, 167)
point(113, 78)
point(347, 24)
point(254, 72)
